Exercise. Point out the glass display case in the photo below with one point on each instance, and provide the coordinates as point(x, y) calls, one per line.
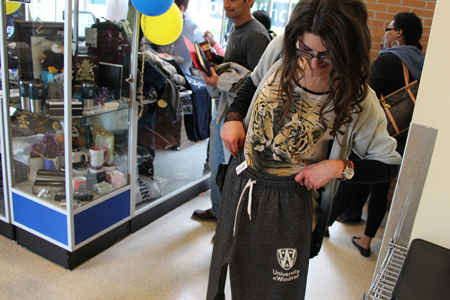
point(68, 116)
point(69, 123)
point(85, 162)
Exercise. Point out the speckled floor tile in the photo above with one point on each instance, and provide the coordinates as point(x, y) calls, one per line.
point(169, 260)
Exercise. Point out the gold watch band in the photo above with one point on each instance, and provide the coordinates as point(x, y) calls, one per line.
point(347, 165)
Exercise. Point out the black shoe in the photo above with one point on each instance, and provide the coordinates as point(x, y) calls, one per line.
point(364, 252)
point(204, 215)
point(326, 233)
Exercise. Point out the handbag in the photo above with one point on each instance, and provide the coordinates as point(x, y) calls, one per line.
point(399, 106)
point(220, 177)
point(221, 173)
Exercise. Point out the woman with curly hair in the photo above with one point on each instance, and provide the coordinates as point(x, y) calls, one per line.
point(308, 91)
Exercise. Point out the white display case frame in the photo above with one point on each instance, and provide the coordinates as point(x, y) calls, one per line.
point(66, 231)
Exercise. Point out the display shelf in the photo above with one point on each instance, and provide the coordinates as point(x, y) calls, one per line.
point(86, 113)
point(25, 187)
point(94, 133)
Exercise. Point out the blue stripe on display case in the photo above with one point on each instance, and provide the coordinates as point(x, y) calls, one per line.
point(40, 218)
point(97, 218)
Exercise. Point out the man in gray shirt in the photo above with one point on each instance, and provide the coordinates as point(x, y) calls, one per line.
point(247, 42)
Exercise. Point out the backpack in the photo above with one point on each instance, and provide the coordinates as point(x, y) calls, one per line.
point(113, 46)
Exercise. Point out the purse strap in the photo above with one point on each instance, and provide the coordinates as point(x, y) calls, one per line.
point(407, 87)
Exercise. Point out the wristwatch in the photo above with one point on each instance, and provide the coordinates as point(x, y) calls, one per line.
point(348, 172)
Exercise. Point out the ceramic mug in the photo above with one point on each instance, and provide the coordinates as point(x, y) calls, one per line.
point(109, 168)
point(51, 163)
point(80, 171)
point(79, 184)
point(95, 170)
point(34, 164)
point(77, 155)
point(98, 156)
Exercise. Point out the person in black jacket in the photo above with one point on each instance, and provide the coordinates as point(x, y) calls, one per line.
point(401, 44)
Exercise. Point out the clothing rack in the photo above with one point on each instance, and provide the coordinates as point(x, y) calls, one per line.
point(386, 278)
point(405, 203)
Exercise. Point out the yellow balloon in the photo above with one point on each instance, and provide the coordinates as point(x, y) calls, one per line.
point(11, 7)
point(164, 29)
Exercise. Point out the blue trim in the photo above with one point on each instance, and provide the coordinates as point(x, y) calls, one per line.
point(40, 218)
point(97, 218)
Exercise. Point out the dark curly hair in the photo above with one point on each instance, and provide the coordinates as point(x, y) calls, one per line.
point(342, 26)
point(411, 26)
point(263, 17)
point(185, 3)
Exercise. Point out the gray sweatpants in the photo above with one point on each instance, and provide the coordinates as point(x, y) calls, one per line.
point(265, 239)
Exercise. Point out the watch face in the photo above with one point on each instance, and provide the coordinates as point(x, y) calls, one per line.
point(349, 173)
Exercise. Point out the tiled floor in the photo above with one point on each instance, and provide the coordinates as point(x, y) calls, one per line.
point(169, 260)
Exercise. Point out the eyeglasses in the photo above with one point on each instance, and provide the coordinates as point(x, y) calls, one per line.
point(389, 29)
point(309, 55)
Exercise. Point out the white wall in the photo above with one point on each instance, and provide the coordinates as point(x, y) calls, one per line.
point(432, 109)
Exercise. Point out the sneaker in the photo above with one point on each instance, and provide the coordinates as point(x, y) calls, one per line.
point(204, 215)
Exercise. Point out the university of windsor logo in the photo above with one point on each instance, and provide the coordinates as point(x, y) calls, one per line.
point(287, 257)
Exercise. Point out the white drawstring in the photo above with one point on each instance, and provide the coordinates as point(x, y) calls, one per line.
point(249, 184)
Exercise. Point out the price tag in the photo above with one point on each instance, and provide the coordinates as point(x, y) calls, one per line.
point(241, 167)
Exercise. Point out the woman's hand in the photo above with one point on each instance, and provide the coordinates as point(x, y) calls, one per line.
point(317, 175)
point(233, 135)
point(209, 37)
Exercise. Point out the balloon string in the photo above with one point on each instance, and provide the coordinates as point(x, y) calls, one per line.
point(39, 19)
point(37, 29)
point(141, 88)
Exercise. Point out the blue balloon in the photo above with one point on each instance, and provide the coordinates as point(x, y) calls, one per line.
point(152, 8)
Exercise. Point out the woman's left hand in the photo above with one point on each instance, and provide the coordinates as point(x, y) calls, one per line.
point(317, 175)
